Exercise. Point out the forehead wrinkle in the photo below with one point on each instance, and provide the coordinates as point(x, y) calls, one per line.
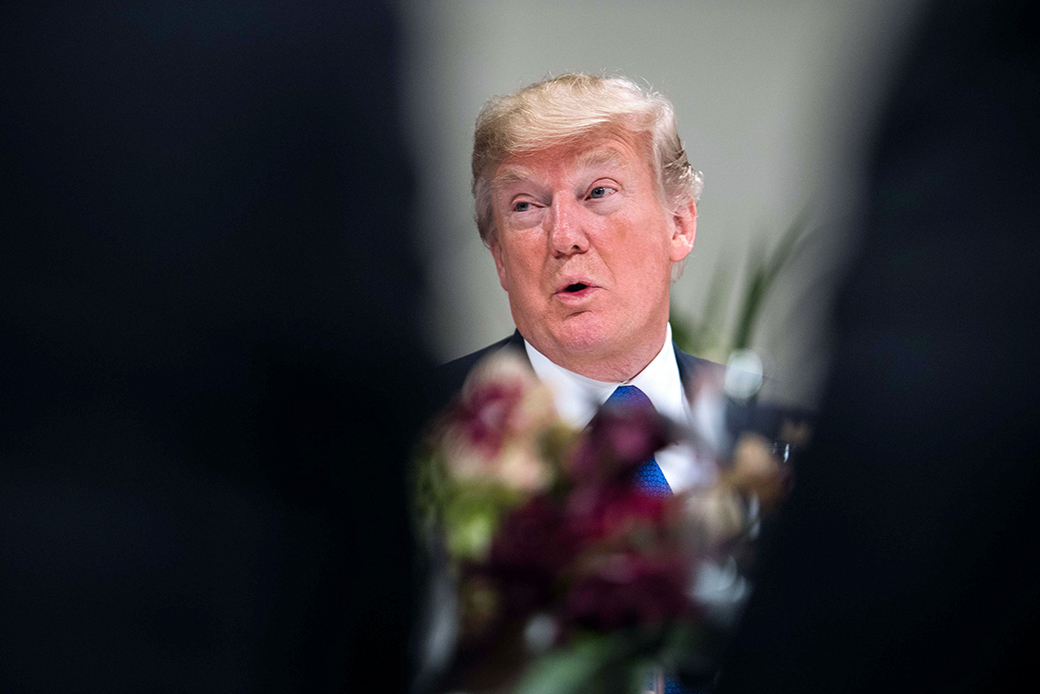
point(512, 174)
point(600, 157)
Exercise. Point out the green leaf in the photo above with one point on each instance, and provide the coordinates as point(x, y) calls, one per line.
point(704, 337)
point(682, 331)
point(762, 271)
point(429, 489)
point(569, 671)
point(681, 640)
point(752, 298)
point(471, 516)
point(639, 673)
point(707, 337)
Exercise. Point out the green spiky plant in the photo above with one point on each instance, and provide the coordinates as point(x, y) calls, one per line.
point(707, 337)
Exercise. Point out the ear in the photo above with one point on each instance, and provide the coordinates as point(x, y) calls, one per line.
point(500, 265)
point(684, 231)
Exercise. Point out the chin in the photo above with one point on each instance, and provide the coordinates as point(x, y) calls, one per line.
point(584, 336)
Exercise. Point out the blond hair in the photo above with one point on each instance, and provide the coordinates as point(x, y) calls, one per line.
point(567, 109)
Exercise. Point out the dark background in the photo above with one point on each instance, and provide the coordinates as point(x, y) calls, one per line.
point(906, 557)
point(211, 372)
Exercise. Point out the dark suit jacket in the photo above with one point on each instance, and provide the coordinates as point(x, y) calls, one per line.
point(762, 418)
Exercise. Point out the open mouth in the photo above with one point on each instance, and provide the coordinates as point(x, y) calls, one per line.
point(574, 289)
point(575, 292)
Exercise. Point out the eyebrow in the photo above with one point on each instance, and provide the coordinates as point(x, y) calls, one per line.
point(588, 160)
point(514, 174)
point(599, 157)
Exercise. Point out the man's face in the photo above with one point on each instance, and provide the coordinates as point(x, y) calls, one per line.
point(584, 247)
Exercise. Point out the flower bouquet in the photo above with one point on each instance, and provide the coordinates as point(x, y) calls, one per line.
point(568, 577)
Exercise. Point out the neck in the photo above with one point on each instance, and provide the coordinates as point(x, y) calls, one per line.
point(610, 368)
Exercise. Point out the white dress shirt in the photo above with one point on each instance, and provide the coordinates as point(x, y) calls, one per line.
point(578, 398)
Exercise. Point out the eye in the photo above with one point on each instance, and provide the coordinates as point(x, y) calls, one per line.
point(521, 206)
point(600, 192)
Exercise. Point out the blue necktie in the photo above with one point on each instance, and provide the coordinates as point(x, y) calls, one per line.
point(649, 477)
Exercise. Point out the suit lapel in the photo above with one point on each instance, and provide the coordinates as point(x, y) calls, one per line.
point(516, 341)
point(690, 365)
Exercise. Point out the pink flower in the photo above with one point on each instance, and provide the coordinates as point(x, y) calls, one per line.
point(494, 430)
point(484, 416)
point(503, 395)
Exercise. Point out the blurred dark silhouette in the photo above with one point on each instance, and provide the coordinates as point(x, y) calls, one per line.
point(905, 560)
point(212, 372)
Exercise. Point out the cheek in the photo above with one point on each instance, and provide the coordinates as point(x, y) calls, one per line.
point(522, 268)
point(645, 275)
point(528, 255)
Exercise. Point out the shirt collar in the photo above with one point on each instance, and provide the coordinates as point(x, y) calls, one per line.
point(578, 398)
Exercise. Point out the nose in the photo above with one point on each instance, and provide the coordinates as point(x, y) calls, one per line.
point(567, 234)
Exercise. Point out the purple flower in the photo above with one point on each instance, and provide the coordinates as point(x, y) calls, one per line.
point(602, 511)
point(629, 589)
point(532, 548)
